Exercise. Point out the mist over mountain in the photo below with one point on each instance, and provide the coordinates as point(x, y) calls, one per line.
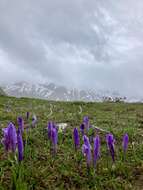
point(51, 91)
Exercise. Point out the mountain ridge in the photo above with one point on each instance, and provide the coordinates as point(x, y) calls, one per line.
point(51, 91)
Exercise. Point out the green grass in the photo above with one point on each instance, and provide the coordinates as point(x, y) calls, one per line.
point(39, 170)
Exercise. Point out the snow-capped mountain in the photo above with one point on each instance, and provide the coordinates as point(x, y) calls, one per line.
point(53, 92)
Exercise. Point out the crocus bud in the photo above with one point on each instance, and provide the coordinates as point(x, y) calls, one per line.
point(125, 142)
point(86, 150)
point(96, 149)
point(20, 145)
point(20, 124)
point(10, 138)
point(54, 138)
point(76, 138)
point(86, 122)
point(82, 127)
point(110, 144)
point(49, 128)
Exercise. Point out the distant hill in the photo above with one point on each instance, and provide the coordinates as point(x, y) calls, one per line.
point(2, 93)
point(52, 91)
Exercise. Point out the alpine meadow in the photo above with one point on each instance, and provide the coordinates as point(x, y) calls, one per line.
point(99, 147)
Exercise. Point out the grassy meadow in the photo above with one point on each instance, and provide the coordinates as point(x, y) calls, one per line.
point(67, 170)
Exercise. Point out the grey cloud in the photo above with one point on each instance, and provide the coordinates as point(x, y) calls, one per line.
point(86, 44)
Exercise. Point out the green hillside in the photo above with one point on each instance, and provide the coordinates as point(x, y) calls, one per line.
point(67, 170)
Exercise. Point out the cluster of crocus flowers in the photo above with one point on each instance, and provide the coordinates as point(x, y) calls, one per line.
point(88, 151)
point(53, 135)
point(111, 147)
point(12, 139)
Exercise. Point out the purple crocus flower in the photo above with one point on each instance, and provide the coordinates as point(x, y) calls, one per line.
point(87, 153)
point(96, 149)
point(54, 138)
point(10, 138)
point(20, 145)
point(76, 138)
point(5, 140)
point(86, 122)
point(49, 128)
point(125, 142)
point(86, 141)
point(82, 128)
point(20, 124)
point(86, 119)
point(86, 150)
point(110, 144)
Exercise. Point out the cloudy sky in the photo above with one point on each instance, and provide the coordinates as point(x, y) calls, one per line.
point(81, 43)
